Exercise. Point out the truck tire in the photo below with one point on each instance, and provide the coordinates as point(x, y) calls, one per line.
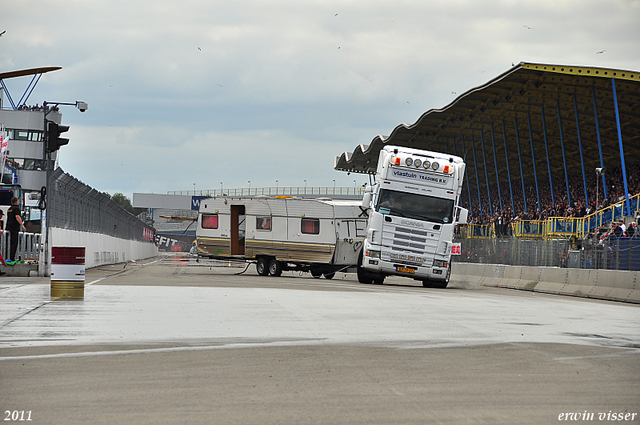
point(262, 266)
point(443, 283)
point(363, 276)
point(275, 268)
point(329, 275)
point(427, 283)
point(316, 274)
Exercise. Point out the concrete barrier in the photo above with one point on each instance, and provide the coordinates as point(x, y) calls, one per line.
point(601, 284)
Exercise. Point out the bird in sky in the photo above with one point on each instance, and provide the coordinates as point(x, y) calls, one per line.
point(1, 33)
point(527, 27)
point(601, 51)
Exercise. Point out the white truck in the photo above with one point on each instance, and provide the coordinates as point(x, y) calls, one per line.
point(413, 209)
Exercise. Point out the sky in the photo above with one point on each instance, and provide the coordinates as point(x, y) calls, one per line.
point(259, 93)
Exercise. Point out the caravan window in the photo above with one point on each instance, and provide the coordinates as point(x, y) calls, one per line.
point(311, 226)
point(209, 221)
point(263, 223)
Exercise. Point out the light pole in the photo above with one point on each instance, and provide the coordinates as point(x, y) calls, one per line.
point(194, 189)
point(46, 157)
point(221, 189)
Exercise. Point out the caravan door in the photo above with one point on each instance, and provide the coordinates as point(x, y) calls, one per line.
point(238, 226)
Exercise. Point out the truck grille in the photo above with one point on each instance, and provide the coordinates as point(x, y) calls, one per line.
point(416, 241)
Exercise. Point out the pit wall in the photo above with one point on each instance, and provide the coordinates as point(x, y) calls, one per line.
point(100, 249)
point(601, 284)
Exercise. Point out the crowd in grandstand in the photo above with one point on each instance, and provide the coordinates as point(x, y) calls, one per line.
point(484, 212)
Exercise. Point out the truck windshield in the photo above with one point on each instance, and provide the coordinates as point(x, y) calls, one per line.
point(418, 207)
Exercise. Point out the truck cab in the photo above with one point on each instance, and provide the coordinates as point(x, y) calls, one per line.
point(413, 209)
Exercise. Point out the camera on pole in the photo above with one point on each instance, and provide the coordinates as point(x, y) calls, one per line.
point(54, 141)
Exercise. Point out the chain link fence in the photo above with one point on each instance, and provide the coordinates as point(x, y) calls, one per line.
point(613, 253)
point(73, 205)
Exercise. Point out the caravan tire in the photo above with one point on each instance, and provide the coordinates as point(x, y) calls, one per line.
point(275, 268)
point(262, 267)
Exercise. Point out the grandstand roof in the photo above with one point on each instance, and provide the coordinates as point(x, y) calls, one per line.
point(512, 100)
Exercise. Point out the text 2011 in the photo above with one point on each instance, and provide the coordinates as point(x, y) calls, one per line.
point(17, 415)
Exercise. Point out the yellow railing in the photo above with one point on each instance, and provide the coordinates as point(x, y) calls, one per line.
point(559, 227)
point(480, 231)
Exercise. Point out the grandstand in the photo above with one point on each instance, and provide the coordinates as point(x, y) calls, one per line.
point(552, 153)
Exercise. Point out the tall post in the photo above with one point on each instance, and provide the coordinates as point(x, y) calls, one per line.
point(495, 163)
point(595, 115)
point(546, 149)
point(564, 156)
point(524, 194)
point(624, 170)
point(584, 177)
point(475, 165)
point(464, 153)
point(533, 159)
point(486, 174)
point(506, 154)
point(466, 173)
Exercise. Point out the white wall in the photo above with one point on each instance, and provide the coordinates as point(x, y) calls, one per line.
point(99, 249)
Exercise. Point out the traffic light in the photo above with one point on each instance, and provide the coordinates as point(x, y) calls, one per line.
point(54, 141)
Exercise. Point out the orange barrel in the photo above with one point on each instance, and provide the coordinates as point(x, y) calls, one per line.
point(67, 272)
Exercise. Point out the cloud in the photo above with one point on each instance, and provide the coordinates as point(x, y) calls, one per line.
point(174, 87)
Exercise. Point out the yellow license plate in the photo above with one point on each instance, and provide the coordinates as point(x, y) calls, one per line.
point(405, 269)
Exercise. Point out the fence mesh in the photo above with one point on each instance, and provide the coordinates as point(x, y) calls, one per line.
point(73, 205)
point(614, 253)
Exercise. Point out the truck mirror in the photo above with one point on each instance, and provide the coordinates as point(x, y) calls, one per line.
point(463, 215)
point(366, 199)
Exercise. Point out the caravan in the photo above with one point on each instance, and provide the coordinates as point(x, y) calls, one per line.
point(320, 236)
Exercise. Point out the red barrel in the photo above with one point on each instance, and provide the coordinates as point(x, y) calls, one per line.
point(67, 272)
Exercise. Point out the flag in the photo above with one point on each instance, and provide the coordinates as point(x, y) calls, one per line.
point(4, 142)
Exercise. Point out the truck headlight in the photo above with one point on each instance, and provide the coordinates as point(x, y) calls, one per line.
point(372, 254)
point(440, 263)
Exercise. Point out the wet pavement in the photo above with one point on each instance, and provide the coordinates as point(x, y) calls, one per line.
point(154, 324)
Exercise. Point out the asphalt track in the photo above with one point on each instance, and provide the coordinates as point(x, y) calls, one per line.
point(174, 341)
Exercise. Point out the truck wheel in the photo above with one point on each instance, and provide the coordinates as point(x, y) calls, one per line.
point(443, 283)
point(363, 276)
point(378, 280)
point(262, 267)
point(316, 274)
point(427, 283)
point(275, 268)
point(329, 275)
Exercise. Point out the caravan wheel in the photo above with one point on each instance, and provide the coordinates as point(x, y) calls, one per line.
point(262, 267)
point(275, 268)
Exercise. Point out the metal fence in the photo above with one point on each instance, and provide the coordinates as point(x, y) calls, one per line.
point(73, 205)
point(28, 245)
point(614, 253)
